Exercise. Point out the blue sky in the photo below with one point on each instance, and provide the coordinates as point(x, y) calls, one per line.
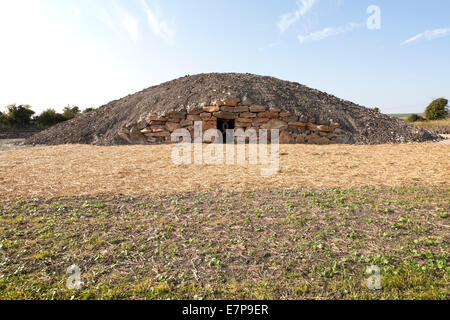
point(89, 52)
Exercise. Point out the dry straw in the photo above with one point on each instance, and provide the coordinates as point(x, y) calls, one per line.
point(82, 170)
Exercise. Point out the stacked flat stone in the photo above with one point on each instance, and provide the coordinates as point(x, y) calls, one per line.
point(293, 129)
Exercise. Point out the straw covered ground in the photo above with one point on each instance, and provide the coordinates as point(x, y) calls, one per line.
point(140, 227)
point(82, 170)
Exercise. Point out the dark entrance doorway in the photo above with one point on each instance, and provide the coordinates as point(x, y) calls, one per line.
point(224, 124)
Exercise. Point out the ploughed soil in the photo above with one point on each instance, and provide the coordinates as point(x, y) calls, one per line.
point(101, 126)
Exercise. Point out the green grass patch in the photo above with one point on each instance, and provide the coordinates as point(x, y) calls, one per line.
point(286, 244)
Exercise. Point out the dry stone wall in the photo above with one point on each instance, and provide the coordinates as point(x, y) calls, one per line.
point(157, 128)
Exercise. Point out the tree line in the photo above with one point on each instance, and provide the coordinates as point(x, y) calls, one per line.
point(436, 110)
point(18, 117)
point(23, 117)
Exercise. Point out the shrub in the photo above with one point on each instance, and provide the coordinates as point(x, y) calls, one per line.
point(414, 118)
point(87, 110)
point(4, 121)
point(438, 109)
point(49, 118)
point(377, 110)
point(71, 112)
point(19, 116)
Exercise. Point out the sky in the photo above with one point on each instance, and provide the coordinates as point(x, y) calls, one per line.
point(394, 55)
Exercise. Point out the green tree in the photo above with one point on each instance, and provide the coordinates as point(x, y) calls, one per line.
point(87, 110)
point(71, 112)
point(4, 121)
point(438, 109)
point(49, 118)
point(20, 116)
point(414, 118)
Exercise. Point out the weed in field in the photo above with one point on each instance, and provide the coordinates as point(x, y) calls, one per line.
point(293, 247)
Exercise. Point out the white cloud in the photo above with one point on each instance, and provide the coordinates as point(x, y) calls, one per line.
point(269, 46)
point(163, 29)
point(107, 19)
point(120, 19)
point(429, 35)
point(128, 22)
point(328, 32)
point(75, 14)
point(131, 25)
point(286, 20)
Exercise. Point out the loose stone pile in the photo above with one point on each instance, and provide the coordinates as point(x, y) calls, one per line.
point(240, 114)
point(302, 114)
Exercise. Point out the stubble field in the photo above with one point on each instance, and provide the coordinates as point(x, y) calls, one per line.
point(82, 170)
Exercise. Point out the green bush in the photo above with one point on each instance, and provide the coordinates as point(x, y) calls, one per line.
point(87, 110)
point(414, 118)
point(49, 118)
point(71, 112)
point(4, 121)
point(438, 109)
point(19, 116)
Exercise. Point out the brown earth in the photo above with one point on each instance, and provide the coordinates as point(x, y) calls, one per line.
point(101, 126)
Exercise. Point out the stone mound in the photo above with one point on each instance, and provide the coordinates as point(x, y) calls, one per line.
point(246, 101)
